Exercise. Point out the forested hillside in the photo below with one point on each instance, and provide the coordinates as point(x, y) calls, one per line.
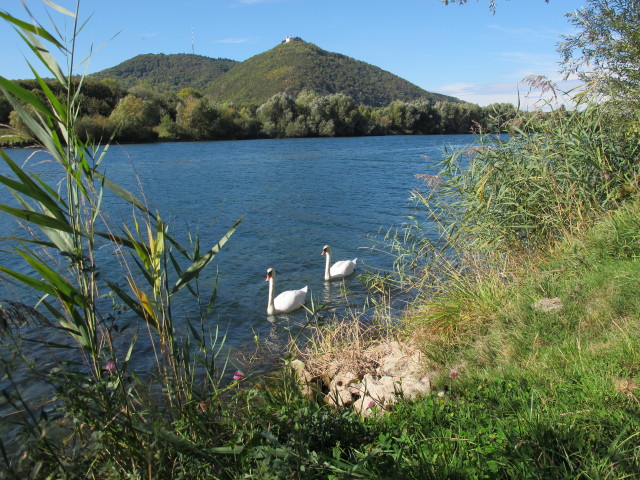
point(167, 72)
point(289, 68)
point(298, 65)
point(143, 114)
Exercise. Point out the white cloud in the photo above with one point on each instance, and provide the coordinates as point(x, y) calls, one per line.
point(509, 92)
point(539, 63)
point(537, 33)
point(234, 40)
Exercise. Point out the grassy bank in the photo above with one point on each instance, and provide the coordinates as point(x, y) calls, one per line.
point(542, 392)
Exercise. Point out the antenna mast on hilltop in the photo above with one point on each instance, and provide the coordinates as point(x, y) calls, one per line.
point(193, 41)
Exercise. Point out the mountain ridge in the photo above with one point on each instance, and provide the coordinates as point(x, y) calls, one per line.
point(167, 71)
point(289, 67)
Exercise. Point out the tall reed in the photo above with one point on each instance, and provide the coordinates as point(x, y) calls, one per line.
point(548, 178)
point(98, 398)
point(500, 201)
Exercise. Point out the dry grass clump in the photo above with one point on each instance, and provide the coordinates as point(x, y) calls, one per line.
point(349, 344)
point(358, 364)
point(18, 314)
point(627, 387)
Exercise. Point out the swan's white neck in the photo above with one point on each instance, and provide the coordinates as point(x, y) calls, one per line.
point(270, 307)
point(327, 267)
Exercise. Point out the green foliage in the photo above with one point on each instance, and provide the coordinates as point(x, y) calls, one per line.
point(141, 114)
point(605, 50)
point(297, 66)
point(197, 117)
point(458, 118)
point(133, 117)
point(167, 73)
point(95, 98)
point(550, 178)
point(99, 404)
point(275, 114)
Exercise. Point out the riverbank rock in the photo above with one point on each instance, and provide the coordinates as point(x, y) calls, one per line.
point(548, 305)
point(371, 380)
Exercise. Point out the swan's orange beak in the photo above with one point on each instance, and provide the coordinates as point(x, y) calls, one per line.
point(323, 252)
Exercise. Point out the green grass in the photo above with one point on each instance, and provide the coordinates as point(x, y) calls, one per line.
point(541, 394)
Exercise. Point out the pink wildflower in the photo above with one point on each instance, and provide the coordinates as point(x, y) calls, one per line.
point(238, 376)
point(372, 404)
point(453, 373)
point(110, 366)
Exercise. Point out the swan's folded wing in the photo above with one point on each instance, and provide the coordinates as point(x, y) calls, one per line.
point(343, 268)
point(290, 300)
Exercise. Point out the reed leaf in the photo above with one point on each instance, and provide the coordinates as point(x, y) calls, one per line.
point(53, 100)
point(145, 271)
point(193, 271)
point(129, 301)
point(63, 289)
point(61, 240)
point(48, 138)
point(146, 304)
point(43, 193)
point(123, 193)
point(37, 30)
point(212, 298)
point(65, 324)
point(178, 269)
point(36, 218)
point(12, 89)
point(60, 9)
point(31, 282)
point(125, 242)
point(43, 54)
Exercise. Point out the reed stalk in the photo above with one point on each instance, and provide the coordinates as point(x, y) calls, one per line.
point(68, 232)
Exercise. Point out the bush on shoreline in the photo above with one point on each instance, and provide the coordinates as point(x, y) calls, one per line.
point(142, 115)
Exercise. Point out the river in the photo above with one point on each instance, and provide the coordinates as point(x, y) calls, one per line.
point(294, 196)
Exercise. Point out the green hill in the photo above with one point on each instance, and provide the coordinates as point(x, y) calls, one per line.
point(289, 67)
point(298, 65)
point(167, 72)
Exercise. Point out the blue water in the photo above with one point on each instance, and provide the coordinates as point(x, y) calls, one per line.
point(294, 196)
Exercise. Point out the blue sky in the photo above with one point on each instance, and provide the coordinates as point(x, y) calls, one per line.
point(463, 51)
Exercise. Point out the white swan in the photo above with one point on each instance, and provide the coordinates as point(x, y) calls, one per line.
point(340, 269)
point(285, 302)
